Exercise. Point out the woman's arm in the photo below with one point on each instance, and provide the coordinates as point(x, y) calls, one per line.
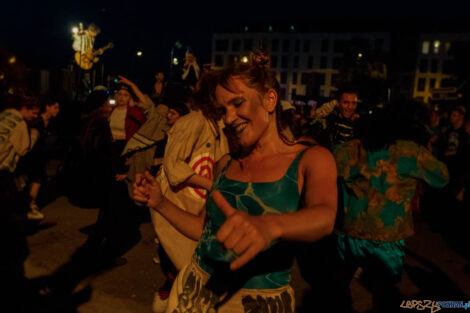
point(134, 88)
point(147, 190)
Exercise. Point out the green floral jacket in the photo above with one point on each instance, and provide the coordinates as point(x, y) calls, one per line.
point(379, 186)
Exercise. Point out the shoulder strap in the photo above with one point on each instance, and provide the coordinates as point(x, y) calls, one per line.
point(292, 171)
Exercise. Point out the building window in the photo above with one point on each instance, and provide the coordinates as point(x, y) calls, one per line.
point(447, 46)
point(285, 61)
point(275, 45)
point(335, 80)
point(233, 59)
point(320, 78)
point(421, 84)
point(306, 45)
point(310, 62)
point(324, 45)
point(221, 45)
point(434, 66)
point(423, 65)
point(236, 45)
point(448, 67)
point(379, 42)
point(296, 61)
point(285, 45)
point(283, 93)
point(425, 47)
point(247, 44)
point(274, 61)
point(283, 77)
point(294, 93)
point(304, 78)
point(219, 60)
point(432, 83)
point(324, 62)
point(297, 45)
point(294, 78)
point(339, 46)
point(336, 62)
point(435, 46)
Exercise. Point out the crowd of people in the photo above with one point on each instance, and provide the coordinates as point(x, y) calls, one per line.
point(238, 183)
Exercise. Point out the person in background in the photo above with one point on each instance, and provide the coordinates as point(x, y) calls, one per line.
point(379, 172)
point(16, 140)
point(195, 143)
point(38, 157)
point(191, 71)
point(158, 87)
point(342, 123)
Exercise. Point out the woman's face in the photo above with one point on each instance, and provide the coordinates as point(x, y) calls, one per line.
point(172, 116)
point(123, 97)
point(245, 110)
point(53, 109)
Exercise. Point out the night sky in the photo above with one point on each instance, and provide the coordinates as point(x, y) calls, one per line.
point(39, 32)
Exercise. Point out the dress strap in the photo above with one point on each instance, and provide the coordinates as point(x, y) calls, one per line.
point(292, 171)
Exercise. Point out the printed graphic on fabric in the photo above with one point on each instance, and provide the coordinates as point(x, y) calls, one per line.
point(202, 165)
point(268, 304)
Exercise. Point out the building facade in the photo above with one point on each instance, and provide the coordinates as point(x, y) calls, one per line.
point(303, 61)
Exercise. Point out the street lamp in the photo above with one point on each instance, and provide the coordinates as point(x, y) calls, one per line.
point(245, 59)
point(139, 53)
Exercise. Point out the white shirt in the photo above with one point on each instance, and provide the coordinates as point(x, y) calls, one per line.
point(117, 122)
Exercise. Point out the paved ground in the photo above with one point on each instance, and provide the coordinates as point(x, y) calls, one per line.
point(433, 269)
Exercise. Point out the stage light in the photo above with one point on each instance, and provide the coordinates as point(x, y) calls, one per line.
point(245, 59)
point(139, 53)
point(175, 61)
point(75, 30)
point(12, 60)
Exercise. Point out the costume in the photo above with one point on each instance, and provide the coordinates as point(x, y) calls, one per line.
point(261, 285)
point(194, 146)
point(378, 188)
point(82, 42)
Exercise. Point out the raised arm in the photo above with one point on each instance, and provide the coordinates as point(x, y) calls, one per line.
point(134, 88)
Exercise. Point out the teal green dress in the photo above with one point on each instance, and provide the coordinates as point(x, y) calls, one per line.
point(269, 269)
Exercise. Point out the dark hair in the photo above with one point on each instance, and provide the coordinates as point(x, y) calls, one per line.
point(94, 28)
point(22, 98)
point(203, 97)
point(260, 78)
point(179, 107)
point(47, 101)
point(95, 100)
point(346, 89)
point(126, 88)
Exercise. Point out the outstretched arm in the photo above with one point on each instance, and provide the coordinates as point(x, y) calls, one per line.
point(147, 190)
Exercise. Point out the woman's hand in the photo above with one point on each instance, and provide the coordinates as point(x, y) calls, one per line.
point(147, 190)
point(244, 234)
point(123, 80)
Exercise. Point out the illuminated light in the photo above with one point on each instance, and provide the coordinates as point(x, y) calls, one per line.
point(112, 101)
point(12, 60)
point(107, 91)
point(370, 111)
point(139, 53)
point(75, 30)
point(175, 61)
point(116, 80)
point(245, 59)
point(246, 28)
point(436, 45)
point(425, 47)
point(2, 76)
point(270, 28)
point(359, 55)
point(292, 28)
point(11, 91)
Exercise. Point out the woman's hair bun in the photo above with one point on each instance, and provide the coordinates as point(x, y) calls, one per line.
point(260, 58)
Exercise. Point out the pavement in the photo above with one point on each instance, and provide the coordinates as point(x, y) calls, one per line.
point(435, 269)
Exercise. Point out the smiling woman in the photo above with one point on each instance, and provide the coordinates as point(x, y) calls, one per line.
point(254, 204)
